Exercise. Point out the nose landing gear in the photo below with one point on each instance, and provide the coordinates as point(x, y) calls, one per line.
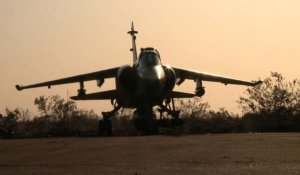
point(145, 121)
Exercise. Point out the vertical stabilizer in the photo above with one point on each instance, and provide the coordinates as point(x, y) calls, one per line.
point(132, 32)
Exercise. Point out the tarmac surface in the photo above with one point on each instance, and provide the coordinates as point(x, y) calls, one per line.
point(196, 154)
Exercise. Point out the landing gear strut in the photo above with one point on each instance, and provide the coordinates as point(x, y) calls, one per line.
point(105, 125)
point(170, 110)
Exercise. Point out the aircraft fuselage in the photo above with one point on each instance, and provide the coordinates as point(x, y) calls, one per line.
point(145, 83)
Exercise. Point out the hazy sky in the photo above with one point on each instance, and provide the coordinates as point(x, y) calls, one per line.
point(50, 39)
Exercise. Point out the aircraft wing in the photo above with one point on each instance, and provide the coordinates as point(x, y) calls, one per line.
point(105, 95)
point(99, 75)
point(183, 74)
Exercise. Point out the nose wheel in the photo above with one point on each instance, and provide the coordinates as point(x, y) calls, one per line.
point(145, 121)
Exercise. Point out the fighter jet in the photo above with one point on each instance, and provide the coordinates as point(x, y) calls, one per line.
point(142, 85)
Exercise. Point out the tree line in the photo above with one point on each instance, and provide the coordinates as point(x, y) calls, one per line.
point(273, 106)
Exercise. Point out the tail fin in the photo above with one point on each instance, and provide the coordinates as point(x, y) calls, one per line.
point(132, 32)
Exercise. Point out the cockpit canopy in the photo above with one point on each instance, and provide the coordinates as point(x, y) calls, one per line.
point(149, 57)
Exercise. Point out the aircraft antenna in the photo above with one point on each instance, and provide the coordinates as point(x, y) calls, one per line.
point(132, 32)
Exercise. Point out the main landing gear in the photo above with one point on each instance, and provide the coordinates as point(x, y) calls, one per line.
point(175, 121)
point(105, 125)
point(172, 122)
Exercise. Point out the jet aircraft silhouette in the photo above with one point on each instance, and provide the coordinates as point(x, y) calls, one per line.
point(142, 85)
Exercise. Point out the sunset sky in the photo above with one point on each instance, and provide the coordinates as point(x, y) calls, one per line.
point(51, 39)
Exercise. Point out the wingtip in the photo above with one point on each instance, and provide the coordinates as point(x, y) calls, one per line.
point(77, 98)
point(18, 87)
point(257, 83)
point(73, 97)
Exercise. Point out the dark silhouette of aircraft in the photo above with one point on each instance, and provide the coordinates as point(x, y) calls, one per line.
point(142, 85)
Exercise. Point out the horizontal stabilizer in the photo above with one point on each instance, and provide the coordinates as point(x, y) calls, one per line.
point(177, 94)
point(105, 95)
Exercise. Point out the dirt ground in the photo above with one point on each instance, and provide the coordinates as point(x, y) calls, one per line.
point(197, 154)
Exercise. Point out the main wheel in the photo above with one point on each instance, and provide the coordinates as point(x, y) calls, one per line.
point(105, 127)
